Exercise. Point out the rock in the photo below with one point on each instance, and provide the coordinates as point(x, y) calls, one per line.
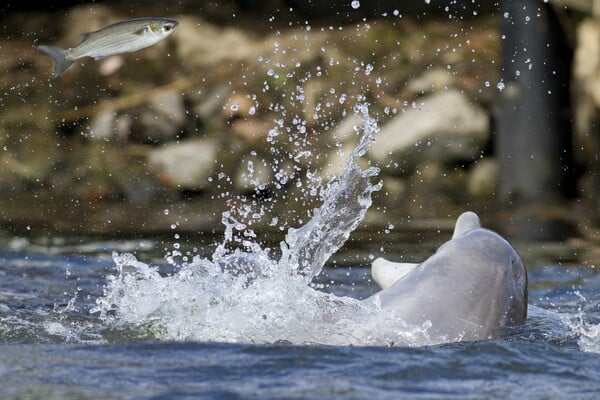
point(159, 120)
point(206, 105)
point(586, 85)
point(347, 129)
point(239, 106)
point(102, 125)
point(251, 130)
point(200, 43)
point(144, 189)
point(393, 189)
point(163, 118)
point(483, 178)
point(108, 125)
point(254, 175)
point(445, 127)
point(345, 136)
point(312, 94)
point(432, 80)
point(185, 165)
point(426, 190)
point(87, 18)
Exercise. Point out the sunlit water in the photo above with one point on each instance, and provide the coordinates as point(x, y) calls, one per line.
point(257, 322)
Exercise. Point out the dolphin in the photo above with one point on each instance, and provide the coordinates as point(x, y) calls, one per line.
point(470, 289)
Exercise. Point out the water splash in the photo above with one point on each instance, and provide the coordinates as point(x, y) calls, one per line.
point(586, 331)
point(251, 295)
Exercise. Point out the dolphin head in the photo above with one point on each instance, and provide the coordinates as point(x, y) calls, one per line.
point(491, 266)
point(486, 253)
point(471, 288)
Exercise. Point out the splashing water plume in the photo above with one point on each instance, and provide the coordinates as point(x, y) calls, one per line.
point(587, 332)
point(248, 296)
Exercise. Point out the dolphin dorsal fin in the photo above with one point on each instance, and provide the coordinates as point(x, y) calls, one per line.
point(466, 222)
point(385, 273)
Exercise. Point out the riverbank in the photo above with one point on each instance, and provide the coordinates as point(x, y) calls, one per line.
point(226, 114)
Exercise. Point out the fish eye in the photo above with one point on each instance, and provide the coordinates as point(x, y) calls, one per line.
point(168, 27)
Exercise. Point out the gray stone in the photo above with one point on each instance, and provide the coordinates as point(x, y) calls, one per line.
point(102, 125)
point(444, 127)
point(347, 129)
point(163, 118)
point(201, 43)
point(483, 178)
point(209, 105)
point(430, 81)
point(108, 125)
point(185, 165)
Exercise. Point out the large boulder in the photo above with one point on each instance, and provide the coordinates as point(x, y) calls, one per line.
point(444, 127)
point(586, 85)
point(185, 165)
point(162, 119)
point(200, 43)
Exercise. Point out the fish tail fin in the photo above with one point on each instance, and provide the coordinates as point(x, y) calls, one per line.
point(58, 54)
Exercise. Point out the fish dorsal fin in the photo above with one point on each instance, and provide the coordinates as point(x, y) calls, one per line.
point(385, 273)
point(83, 37)
point(466, 222)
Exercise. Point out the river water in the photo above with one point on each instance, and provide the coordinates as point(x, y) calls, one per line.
point(236, 318)
point(53, 347)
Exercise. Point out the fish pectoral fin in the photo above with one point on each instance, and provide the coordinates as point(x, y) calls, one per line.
point(142, 31)
point(385, 273)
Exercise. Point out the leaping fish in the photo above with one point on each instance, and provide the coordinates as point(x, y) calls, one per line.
point(121, 37)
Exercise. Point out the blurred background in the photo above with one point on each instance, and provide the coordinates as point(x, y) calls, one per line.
point(484, 105)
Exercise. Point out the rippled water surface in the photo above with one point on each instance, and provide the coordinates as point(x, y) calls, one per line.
point(141, 319)
point(53, 347)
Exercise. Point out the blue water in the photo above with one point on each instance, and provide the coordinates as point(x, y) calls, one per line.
point(52, 347)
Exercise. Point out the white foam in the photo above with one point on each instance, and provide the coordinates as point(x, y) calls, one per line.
point(586, 332)
point(254, 296)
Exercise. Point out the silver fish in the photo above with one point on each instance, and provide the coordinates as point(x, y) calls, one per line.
point(122, 37)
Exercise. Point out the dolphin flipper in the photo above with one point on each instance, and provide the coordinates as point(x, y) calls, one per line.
point(385, 273)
